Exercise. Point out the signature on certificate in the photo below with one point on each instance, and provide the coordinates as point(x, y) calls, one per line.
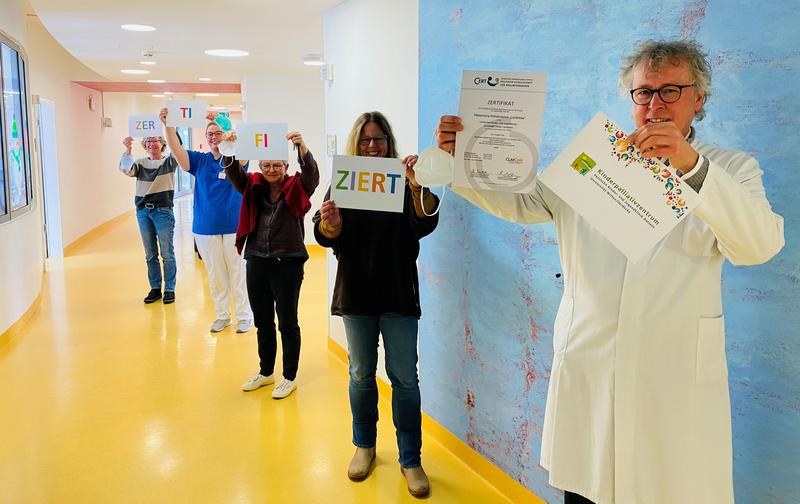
point(478, 173)
point(504, 175)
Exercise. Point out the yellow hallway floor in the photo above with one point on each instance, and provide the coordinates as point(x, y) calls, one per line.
point(106, 400)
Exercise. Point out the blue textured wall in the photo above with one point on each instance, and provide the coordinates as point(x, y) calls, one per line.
point(490, 288)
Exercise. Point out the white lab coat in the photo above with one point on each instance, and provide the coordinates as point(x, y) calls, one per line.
point(638, 409)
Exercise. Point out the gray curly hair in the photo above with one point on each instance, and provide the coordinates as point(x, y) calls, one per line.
point(658, 53)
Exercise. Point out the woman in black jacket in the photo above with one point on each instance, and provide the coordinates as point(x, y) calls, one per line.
point(377, 292)
point(271, 232)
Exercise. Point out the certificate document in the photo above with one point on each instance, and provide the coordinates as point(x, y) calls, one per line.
point(631, 200)
point(502, 117)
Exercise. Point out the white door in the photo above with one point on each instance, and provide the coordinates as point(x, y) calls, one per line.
point(46, 118)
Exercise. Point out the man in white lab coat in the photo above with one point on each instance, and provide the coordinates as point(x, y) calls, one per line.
point(638, 409)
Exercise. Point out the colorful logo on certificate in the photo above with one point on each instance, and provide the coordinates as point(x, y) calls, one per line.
point(492, 81)
point(583, 164)
point(627, 153)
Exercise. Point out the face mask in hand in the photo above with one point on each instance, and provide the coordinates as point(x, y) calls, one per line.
point(227, 148)
point(223, 122)
point(434, 167)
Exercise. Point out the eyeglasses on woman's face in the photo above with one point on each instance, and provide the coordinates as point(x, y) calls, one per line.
point(271, 167)
point(214, 134)
point(379, 140)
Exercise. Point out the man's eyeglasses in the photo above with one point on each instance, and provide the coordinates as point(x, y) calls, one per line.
point(217, 134)
point(668, 94)
point(365, 141)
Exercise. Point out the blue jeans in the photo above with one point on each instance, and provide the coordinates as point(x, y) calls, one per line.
point(400, 343)
point(158, 223)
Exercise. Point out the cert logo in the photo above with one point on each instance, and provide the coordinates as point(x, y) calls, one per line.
point(514, 160)
point(583, 164)
point(492, 81)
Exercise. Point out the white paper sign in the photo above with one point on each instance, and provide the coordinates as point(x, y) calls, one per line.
point(631, 200)
point(501, 112)
point(144, 126)
point(257, 141)
point(190, 113)
point(368, 183)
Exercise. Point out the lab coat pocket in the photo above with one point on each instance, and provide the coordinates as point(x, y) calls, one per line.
point(563, 324)
point(711, 362)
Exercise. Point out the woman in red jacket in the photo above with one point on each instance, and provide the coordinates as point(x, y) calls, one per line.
point(271, 232)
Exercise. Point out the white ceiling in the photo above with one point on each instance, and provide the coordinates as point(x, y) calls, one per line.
point(276, 33)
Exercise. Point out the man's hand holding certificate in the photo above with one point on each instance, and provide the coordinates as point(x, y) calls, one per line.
point(632, 200)
point(502, 116)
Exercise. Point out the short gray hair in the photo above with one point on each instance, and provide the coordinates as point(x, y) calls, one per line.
point(658, 53)
point(160, 139)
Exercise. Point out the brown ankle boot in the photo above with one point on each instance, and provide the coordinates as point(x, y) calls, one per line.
point(418, 484)
point(361, 463)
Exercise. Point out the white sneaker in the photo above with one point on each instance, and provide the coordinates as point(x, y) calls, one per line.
point(283, 388)
point(220, 324)
point(257, 381)
point(244, 326)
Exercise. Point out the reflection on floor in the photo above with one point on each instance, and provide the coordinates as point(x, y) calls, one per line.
point(106, 400)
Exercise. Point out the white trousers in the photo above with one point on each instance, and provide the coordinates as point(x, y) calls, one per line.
point(226, 274)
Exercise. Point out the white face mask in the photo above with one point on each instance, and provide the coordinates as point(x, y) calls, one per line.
point(227, 148)
point(434, 167)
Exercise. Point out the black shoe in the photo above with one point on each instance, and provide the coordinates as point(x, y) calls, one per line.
point(169, 297)
point(153, 296)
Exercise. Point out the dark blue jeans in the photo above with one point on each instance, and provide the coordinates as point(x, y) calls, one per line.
point(400, 345)
point(157, 226)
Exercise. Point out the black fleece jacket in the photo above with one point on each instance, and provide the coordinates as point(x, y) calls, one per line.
point(377, 254)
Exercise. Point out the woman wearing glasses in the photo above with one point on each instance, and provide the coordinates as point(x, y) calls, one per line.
point(216, 215)
point(155, 188)
point(377, 292)
point(271, 232)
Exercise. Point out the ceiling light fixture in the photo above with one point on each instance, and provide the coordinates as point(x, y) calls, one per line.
point(227, 53)
point(138, 27)
point(156, 81)
point(313, 59)
point(158, 96)
point(168, 93)
point(134, 71)
point(147, 62)
point(204, 79)
point(206, 94)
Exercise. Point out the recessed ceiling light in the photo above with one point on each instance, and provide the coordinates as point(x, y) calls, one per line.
point(156, 81)
point(313, 59)
point(227, 53)
point(134, 71)
point(206, 94)
point(204, 79)
point(168, 92)
point(138, 27)
point(147, 62)
point(217, 107)
point(158, 96)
